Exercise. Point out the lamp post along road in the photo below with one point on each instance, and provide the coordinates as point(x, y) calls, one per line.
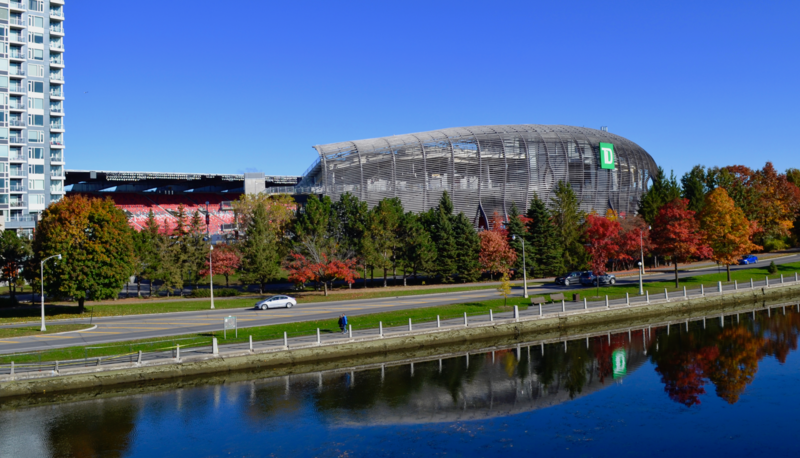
point(524, 268)
point(211, 273)
point(41, 283)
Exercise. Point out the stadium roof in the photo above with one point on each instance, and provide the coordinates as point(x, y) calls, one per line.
point(105, 180)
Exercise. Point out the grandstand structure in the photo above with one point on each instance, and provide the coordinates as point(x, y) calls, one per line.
point(138, 193)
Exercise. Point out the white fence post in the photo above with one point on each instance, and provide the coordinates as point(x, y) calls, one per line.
point(380, 326)
point(491, 315)
point(350, 331)
point(285, 340)
point(540, 309)
point(319, 338)
point(766, 281)
point(12, 368)
point(409, 325)
point(438, 322)
point(684, 293)
point(607, 306)
point(666, 294)
point(585, 304)
point(139, 361)
point(751, 282)
point(647, 295)
point(465, 319)
point(719, 287)
point(214, 346)
point(627, 299)
point(735, 285)
point(251, 344)
point(516, 313)
point(563, 306)
point(178, 352)
point(702, 290)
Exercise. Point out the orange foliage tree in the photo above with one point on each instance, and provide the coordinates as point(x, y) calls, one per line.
point(677, 233)
point(601, 234)
point(302, 270)
point(726, 229)
point(496, 255)
point(225, 259)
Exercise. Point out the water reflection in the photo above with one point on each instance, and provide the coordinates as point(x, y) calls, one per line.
point(691, 362)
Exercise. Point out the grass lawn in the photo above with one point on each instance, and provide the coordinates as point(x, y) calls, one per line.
point(709, 281)
point(21, 315)
point(370, 321)
point(6, 333)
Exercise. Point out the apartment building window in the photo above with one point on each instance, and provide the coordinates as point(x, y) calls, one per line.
point(3, 150)
point(35, 37)
point(36, 5)
point(3, 31)
point(36, 153)
point(3, 169)
point(36, 120)
point(3, 13)
point(36, 104)
point(36, 184)
point(3, 133)
point(36, 169)
point(35, 70)
point(35, 136)
point(36, 86)
point(35, 54)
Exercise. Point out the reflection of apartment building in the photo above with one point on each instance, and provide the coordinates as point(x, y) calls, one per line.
point(31, 109)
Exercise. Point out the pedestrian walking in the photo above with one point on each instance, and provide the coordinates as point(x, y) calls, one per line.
point(344, 324)
point(341, 323)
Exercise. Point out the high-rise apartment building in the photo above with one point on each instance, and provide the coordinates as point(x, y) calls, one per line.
point(31, 109)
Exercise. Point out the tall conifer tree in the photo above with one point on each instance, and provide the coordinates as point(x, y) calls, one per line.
point(543, 252)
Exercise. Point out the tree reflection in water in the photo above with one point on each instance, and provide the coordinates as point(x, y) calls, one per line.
point(726, 356)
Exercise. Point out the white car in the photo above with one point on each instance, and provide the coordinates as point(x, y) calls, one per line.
point(275, 302)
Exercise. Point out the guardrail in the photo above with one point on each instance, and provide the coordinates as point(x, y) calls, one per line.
point(197, 349)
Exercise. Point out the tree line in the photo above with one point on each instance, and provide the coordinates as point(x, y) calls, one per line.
point(715, 213)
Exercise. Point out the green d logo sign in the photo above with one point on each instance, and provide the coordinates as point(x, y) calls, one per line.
point(607, 156)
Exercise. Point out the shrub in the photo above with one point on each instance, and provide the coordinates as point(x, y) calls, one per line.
point(772, 269)
point(775, 245)
point(222, 292)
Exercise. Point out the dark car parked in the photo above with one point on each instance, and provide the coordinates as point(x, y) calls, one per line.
point(572, 278)
point(590, 279)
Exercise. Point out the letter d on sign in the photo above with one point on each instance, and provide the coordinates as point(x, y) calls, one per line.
point(607, 156)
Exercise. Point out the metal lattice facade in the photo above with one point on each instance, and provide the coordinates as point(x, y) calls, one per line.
point(484, 166)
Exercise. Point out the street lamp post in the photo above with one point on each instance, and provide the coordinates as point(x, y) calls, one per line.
point(211, 274)
point(641, 262)
point(41, 282)
point(524, 268)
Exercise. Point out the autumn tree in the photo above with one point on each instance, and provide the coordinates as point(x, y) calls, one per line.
point(543, 251)
point(225, 261)
point(14, 254)
point(633, 240)
point(96, 244)
point(567, 217)
point(727, 232)
point(280, 211)
point(676, 233)
point(505, 288)
point(601, 236)
point(496, 255)
point(302, 269)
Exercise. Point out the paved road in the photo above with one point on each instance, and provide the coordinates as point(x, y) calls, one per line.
point(116, 329)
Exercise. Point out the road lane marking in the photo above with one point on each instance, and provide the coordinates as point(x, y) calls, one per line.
point(7, 341)
point(53, 337)
point(98, 332)
point(132, 327)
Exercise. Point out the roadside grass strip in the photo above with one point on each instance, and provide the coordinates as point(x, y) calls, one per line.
point(35, 330)
point(271, 332)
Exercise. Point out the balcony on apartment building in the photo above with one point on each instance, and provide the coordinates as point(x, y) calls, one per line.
point(15, 70)
point(17, 37)
point(56, 45)
point(16, 156)
point(15, 122)
point(16, 188)
point(19, 4)
point(57, 13)
point(57, 28)
point(57, 125)
point(16, 19)
point(16, 54)
point(56, 156)
point(56, 92)
point(15, 139)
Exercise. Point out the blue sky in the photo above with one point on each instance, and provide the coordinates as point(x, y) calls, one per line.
point(202, 86)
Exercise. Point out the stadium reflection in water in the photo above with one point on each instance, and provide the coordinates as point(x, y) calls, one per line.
point(722, 387)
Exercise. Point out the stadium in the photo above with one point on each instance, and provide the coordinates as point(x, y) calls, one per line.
point(485, 169)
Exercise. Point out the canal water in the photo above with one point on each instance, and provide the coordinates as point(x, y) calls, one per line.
point(716, 388)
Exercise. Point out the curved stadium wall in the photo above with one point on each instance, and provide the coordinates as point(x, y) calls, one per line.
point(486, 168)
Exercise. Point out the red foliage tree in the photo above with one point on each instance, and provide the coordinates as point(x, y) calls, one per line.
point(601, 234)
point(633, 240)
point(676, 233)
point(302, 270)
point(496, 255)
point(225, 260)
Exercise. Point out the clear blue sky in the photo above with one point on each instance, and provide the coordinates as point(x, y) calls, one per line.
point(202, 86)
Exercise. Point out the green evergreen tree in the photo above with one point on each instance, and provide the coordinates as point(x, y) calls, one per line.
point(439, 222)
point(146, 248)
point(312, 226)
point(416, 252)
point(543, 251)
point(567, 218)
point(348, 227)
point(380, 240)
point(195, 247)
point(515, 227)
point(468, 249)
point(260, 255)
point(663, 191)
point(694, 187)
